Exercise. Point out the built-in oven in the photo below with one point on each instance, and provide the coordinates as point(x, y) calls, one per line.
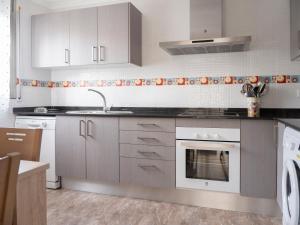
point(208, 159)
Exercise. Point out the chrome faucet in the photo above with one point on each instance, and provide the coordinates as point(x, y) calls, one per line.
point(105, 108)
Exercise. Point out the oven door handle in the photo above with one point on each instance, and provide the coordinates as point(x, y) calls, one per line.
point(208, 146)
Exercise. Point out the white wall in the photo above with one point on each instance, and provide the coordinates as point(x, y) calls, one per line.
point(267, 21)
point(30, 96)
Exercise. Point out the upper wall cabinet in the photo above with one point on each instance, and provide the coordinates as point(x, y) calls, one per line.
point(83, 37)
point(50, 40)
point(295, 29)
point(104, 35)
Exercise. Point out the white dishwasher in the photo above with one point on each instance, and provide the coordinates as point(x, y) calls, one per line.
point(47, 153)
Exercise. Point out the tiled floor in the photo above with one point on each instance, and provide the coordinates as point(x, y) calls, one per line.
point(67, 207)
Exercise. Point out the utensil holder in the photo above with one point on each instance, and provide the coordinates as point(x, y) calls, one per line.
point(253, 106)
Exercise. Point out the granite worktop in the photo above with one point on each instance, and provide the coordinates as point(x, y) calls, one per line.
point(212, 113)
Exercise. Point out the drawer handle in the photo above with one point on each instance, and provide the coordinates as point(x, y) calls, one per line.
point(147, 167)
point(147, 153)
point(16, 134)
point(15, 139)
point(147, 125)
point(147, 139)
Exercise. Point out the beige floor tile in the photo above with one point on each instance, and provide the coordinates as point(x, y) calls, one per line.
point(67, 207)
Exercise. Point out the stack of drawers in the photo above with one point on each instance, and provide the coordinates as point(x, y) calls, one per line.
point(147, 152)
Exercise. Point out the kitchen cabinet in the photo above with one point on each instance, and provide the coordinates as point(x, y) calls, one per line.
point(83, 37)
point(70, 156)
point(113, 33)
point(107, 35)
point(147, 152)
point(147, 172)
point(50, 40)
point(295, 29)
point(280, 132)
point(102, 149)
point(258, 158)
point(88, 148)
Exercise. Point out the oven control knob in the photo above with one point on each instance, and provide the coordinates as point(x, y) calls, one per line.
point(44, 124)
point(217, 136)
point(197, 136)
point(205, 136)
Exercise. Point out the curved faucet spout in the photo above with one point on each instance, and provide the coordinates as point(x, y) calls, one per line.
point(105, 108)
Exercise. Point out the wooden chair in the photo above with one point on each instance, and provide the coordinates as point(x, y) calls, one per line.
point(9, 167)
point(25, 141)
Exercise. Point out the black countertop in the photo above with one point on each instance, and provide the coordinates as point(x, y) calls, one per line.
point(198, 113)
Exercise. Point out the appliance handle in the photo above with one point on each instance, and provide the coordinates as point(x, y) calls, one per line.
point(33, 125)
point(207, 146)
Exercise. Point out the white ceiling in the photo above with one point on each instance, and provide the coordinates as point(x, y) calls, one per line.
point(62, 4)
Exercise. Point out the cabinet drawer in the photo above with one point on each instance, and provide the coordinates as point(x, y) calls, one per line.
point(150, 173)
point(147, 138)
point(148, 124)
point(147, 152)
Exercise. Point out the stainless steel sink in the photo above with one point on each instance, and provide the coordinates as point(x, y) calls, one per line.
point(98, 112)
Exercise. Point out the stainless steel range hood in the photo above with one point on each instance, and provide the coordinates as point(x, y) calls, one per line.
point(206, 32)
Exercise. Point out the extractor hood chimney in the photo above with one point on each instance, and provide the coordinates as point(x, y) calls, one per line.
point(206, 32)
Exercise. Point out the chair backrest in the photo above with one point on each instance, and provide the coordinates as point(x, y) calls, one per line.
point(9, 167)
point(25, 141)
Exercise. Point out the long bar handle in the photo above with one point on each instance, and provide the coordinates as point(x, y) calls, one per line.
point(145, 167)
point(67, 56)
point(16, 139)
point(16, 134)
point(89, 128)
point(95, 54)
point(147, 153)
point(147, 139)
point(208, 146)
point(102, 53)
point(147, 124)
point(80, 128)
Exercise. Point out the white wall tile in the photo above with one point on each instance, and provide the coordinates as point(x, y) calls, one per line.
point(267, 21)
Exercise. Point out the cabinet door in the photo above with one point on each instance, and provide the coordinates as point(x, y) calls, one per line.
point(113, 28)
point(50, 40)
point(70, 147)
point(258, 158)
point(102, 149)
point(295, 29)
point(280, 132)
point(83, 36)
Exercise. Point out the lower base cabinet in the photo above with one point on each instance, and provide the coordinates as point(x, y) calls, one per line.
point(87, 148)
point(258, 158)
point(147, 172)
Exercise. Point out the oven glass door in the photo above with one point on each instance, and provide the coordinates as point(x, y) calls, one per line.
point(207, 164)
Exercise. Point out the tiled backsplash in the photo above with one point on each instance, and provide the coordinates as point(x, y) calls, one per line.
point(182, 80)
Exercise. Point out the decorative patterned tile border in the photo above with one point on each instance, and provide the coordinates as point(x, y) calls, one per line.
point(181, 80)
